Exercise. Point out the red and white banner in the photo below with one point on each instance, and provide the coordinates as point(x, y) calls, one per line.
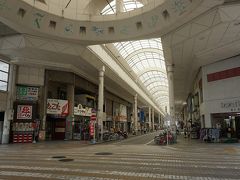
point(57, 106)
point(91, 127)
point(93, 115)
point(24, 112)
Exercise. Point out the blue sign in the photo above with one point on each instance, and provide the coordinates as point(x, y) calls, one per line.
point(141, 116)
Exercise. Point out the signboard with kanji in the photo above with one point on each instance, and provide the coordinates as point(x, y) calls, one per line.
point(24, 112)
point(79, 110)
point(27, 93)
point(57, 106)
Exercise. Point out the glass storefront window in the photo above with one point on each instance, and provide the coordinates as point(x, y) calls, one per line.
point(4, 72)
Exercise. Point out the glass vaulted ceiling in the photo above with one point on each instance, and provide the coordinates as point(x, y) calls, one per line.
point(145, 57)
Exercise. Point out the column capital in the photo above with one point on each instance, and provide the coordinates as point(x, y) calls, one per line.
point(170, 67)
point(102, 69)
point(135, 96)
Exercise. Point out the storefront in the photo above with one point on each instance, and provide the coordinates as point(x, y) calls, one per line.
point(228, 123)
point(108, 124)
point(25, 123)
point(56, 125)
point(82, 122)
point(120, 117)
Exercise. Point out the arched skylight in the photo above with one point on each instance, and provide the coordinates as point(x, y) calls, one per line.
point(128, 5)
point(126, 48)
point(145, 57)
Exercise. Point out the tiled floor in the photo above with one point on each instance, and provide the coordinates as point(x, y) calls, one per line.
point(134, 158)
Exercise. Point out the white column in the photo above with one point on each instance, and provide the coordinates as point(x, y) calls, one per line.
point(45, 94)
point(119, 6)
point(135, 115)
point(100, 99)
point(70, 118)
point(10, 98)
point(208, 121)
point(171, 94)
point(153, 119)
point(149, 118)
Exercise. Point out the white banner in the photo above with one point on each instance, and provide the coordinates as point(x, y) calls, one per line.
point(123, 112)
point(80, 111)
point(57, 106)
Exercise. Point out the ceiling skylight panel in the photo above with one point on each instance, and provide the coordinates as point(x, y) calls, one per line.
point(160, 91)
point(148, 54)
point(160, 88)
point(139, 67)
point(162, 99)
point(141, 56)
point(145, 63)
point(150, 86)
point(145, 44)
point(160, 64)
point(153, 86)
point(156, 79)
point(152, 89)
point(133, 60)
point(135, 69)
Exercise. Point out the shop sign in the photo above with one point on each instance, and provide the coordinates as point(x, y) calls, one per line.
point(41, 135)
point(141, 116)
point(91, 128)
point(93, 117)
point(232, 106)
point(123, 113)
point(80, 111)
point(27, 93)
point(57, 106)
point(24, 112)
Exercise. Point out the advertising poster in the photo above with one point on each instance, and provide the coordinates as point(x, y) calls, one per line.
point(24, 112)
point(123, 112)
point(57, 106)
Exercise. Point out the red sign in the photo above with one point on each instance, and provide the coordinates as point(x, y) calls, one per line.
point(91, 128)
point(229, 73)
point(24, 112)
point(93, 118)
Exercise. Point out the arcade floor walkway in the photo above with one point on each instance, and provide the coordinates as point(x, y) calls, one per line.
point(134, 158)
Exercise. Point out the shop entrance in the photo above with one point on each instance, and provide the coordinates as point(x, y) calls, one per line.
point(55, 129)
point(81, 128)
point(237, 121)
point(1, 125)
point(229, 123)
